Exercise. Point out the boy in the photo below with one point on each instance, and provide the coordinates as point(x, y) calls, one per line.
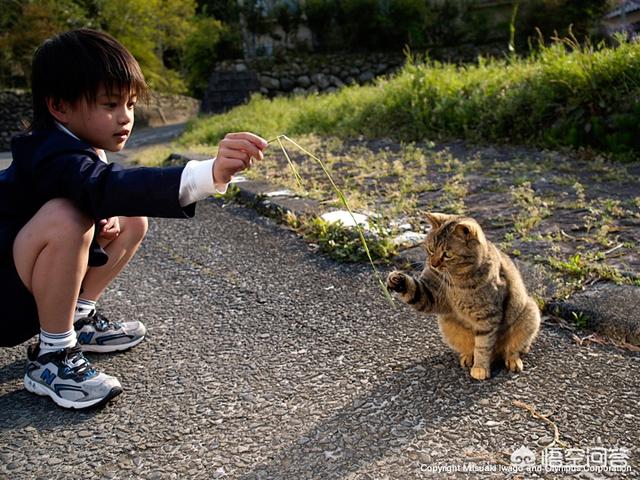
point(70, 222)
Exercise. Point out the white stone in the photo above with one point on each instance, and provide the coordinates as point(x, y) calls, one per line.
point(409, 239)
point(346, 219)
point(280, 193)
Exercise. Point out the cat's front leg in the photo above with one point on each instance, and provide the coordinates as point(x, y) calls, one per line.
point(485, 342)
point(413, 291)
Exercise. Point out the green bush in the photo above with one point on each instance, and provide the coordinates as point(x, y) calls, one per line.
point(209, 41)
point(567, 94)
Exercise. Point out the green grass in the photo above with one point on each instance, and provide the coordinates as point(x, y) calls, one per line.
point(566, 94)
point(376, 142)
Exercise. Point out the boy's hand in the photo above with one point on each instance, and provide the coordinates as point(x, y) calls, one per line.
point(109, 228)
point(235, 152)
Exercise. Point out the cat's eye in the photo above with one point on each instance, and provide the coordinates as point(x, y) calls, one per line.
point(447, 255)
point(429, 250)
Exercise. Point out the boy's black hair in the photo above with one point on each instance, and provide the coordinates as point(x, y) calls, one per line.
point(74, 64)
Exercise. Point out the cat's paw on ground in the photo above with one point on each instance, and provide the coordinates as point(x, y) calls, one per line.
point(514, 364)
point(466, 360)
point(480, 373)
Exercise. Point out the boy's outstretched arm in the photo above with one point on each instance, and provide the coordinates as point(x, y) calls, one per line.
point(235, 152)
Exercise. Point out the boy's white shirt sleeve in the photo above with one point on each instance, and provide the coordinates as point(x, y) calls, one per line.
point(196, 182)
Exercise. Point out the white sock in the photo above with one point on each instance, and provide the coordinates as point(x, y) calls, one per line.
point(51, 342)
point(83, 309)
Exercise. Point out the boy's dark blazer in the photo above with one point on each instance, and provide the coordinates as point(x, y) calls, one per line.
point(51, 164)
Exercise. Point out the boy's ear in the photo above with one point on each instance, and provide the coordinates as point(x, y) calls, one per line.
point(59, 109)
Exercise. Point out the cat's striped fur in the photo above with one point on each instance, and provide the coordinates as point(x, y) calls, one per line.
point(484, 311)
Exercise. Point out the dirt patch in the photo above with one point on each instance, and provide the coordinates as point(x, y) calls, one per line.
point(574, 213)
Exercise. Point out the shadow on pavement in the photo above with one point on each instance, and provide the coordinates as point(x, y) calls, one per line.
point(23, 409)
point(422, 395)
point(12, 371)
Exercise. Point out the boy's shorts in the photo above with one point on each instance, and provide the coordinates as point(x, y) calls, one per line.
point(19, 314)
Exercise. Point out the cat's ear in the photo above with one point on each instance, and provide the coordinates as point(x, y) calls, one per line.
point(469, 230)
point(437, 219)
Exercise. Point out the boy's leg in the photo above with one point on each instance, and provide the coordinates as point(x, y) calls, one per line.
point(95, 332)
point(50, 255)
point(120, 251)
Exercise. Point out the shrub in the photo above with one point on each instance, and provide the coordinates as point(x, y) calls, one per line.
point(566, 95)
point(210, 41)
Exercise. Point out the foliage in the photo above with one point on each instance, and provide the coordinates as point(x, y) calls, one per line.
point(210, 40)
point(170, 43)
point(581, 319)
point(321, 19)
point(344, 243)
point(224, 10)
point(154, 31)
point(288, 16)
point(565, 95)
point(165, 35)
point(24, 25)
point(367, 24)
point(420, 24)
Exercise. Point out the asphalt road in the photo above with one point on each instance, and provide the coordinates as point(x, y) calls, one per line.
point(264, 360)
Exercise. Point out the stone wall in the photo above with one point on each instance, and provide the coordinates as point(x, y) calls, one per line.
point(293, 76)
point(233, 81)
point(162, 109)
point(16, 112)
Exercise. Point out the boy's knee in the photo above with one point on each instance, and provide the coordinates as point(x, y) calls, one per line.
point(137, 226)
point(68, 220)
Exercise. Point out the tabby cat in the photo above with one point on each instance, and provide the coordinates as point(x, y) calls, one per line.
point(484, 311)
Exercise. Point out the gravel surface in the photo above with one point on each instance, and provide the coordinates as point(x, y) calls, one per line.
point(264, 360)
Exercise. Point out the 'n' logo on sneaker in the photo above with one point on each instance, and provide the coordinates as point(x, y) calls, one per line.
point(85, 337)
point(48, 376)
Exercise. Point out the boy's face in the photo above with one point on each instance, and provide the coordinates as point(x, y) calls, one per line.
point(105, 124)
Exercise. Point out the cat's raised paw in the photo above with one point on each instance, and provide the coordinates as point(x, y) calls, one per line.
point(466, 360)
point(514, 364)
point(397, 282)
point(480, 373)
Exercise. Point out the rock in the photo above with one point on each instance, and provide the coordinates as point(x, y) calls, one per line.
point(269, 82)
point(381, 68)
point(321, 80)
point(219, 473)
point(287, 84)
point(409, 239)
point(366, 77)
point(304, 81)
point(336, 82)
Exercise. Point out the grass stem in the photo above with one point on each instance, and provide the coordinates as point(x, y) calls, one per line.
point(343, 200)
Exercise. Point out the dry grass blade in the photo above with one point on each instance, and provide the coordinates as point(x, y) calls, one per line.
point(343, 200)
point(535, 414)
point(291, 164)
